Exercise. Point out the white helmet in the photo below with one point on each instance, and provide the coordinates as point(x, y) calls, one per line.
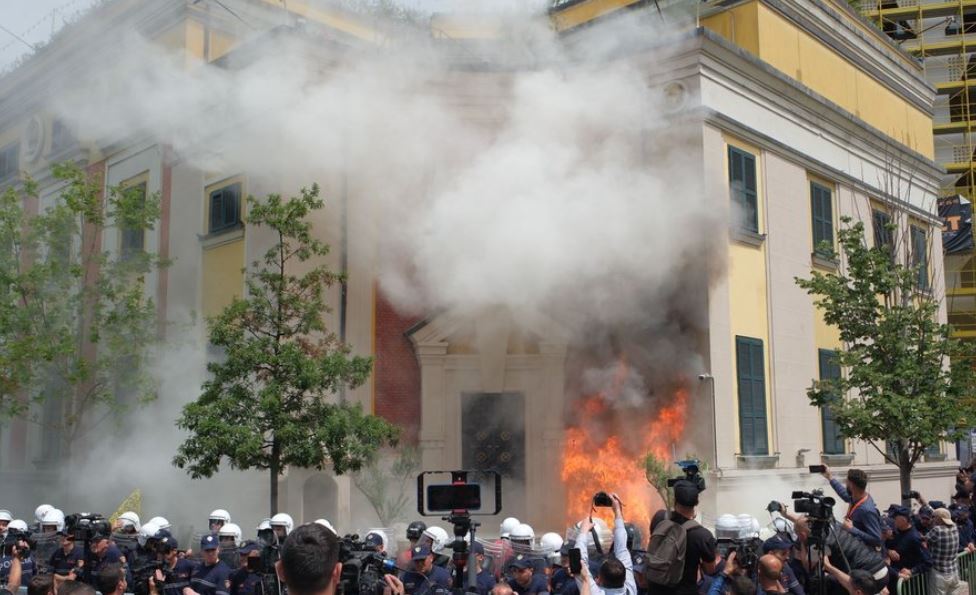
point(378, 535)
point(219, 515)
point(160, 522)
point(437, 537)
point(727, 527)
point(508, 525)
point(265, 524)
point(602, 534)
point(19, 525)
point(326, 524)
point(283, 519)
point(52, 517)
point(5, 515)
point(523, 533)
point(231, 530)
point(42, 510)
point(748, 526)
point(130, 519)
point(147, 532)
point(551, 542)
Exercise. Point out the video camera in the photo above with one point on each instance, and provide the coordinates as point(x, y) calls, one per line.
point(86, 526)
point(692, 473)
point(747, 550)
point(12, 538)
point(363, 568)
point(814, 504)
point(142, 574)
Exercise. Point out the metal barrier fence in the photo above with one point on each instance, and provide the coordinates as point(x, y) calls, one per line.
point(919, 584)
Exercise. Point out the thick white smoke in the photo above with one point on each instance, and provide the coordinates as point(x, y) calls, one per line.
point(552, 183)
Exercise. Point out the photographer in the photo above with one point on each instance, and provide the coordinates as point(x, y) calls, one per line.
point(701, 550)
point(616, 574)
point(862, 519)
point(309, 563)
point(13, 574)
point(732, 580)
point(846, 552)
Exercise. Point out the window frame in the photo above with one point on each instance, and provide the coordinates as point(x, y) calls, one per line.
point(747, 221)
point(832, 443)
point(824, 220)
point(753, 415)
point(224, 225)
point(126, 250)
point(883, 236)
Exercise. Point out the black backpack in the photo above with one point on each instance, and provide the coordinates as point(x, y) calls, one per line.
point(665, 561)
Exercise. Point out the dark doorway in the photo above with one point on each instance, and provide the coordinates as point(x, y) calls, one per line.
point(493, 433)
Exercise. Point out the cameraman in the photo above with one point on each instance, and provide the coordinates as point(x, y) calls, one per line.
point(862, 519)
point(13, 573)
point(846, 552)
point(68, 557)
point(309, 562)
point(732, 577)
point(616, 575)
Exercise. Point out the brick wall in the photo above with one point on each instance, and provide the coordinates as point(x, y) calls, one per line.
point(397, 369)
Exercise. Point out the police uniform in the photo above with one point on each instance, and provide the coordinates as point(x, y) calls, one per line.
point(62, 563)
point(437, 582)
point(27, 569)
point(538, 583)
point(213, 579)
point(563, 584)
point(179, 576)
point(112, 555)
point(244, 581)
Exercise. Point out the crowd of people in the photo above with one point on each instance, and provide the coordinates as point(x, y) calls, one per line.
point(809, 551)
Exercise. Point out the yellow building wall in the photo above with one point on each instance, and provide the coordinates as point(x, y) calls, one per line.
point(780, 43)
point(222, 277)
point(747, 286)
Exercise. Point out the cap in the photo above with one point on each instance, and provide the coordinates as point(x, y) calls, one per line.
point(209, 542)
point(373, 540)
point(685, 493)
point(478, 548)
point(776, 543)
point(897, 511)
point(520, 561)
point(419, 552)
point(169, 543)
point(943, 516)
point(936, 504)
point(925, 512)
point(248, 547)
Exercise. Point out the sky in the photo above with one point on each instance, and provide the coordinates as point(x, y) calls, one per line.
point(34, 21)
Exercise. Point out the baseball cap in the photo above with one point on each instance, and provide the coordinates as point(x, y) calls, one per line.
point(249, 546)
point(520, 561)
point(776, 543)
point(374, 540)
point(168, 543)
point(944, 516)
point(685, 493)
point(936, 504)
point(478, 548)
point(925, 511)
point(419, 552)
point(900, 511)
point(209, 542)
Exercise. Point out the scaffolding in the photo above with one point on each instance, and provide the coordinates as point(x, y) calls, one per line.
point(943, 36)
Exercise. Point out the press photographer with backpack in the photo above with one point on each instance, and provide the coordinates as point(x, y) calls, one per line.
point(679, 546)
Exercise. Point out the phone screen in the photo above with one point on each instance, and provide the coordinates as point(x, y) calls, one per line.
point(818, 468)
point(575, 563)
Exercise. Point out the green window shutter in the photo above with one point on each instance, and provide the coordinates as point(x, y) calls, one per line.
point(833, 443)
point(225, 207)
point(752, 396)
point(920, 256)
point(822, 210)
point(742, 186)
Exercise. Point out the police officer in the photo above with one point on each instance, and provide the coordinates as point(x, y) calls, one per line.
point(414, 531)
point(425, 578)
point(218, 519)
point(178, 570)
point(486, 580)
point(245, 580)
point(524, 580)
point(5, 518)
point(67, 557)
point(211, 577)
point(27, 567)
point(562, 582)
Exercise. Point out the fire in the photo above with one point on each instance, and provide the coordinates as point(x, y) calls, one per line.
point(600, 454)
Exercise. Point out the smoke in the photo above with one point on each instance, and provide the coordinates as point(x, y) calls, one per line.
point(547, 180)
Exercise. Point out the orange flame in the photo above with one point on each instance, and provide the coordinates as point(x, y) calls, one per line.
point(597, 458)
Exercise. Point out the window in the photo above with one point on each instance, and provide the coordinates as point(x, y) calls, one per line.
point(61, 136)
point(920, 256)
point(833, 443)
point(9, 160)
point(742, 186)
point(225, 208)
point(881, 222)
point(822, 210)
point(133, 239)
point(752, 395)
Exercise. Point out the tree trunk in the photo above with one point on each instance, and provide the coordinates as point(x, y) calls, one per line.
point(905, 475)
point(275, 470)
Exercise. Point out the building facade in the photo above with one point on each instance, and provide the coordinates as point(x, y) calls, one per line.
point(798, 113)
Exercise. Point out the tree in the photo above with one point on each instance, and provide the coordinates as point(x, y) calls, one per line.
point(902, 394)
point(386, 485)
point(76, 325)
point(267, 402)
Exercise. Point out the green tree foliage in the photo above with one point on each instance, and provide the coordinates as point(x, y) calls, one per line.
point(897, 391)
point(268, 402)
point(76, 325)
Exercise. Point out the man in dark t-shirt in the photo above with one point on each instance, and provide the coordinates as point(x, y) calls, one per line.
point(700, 551)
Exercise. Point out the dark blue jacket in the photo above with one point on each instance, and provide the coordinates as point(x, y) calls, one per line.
point(436, 583)
point(866, 519)
point(911, 552)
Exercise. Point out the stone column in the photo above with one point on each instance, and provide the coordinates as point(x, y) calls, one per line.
point(432, 357)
